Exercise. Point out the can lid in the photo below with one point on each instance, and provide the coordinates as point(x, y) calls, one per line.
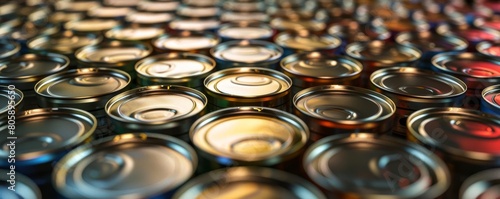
point(433, 42)
point(244, 6)
point(246, 30)
point(414, 82)
point(287, 24)
point(243, 182)
point(204, 3)
point(158, 104)
point(148, 17)
point(491, 95)
point(194, 24)
point(158, 6)
point(66, 42)
point(484, 184)
point(320, 65)
point(247, 51)
point(138, 165)
point(113, 52)
point(46, 131)
point(25, 187)
point(134, 33)
point(244, 16)
point(344, 104)
point(489, 48)
point(175, 66)
point(76, 6)
point(108, 12)
point(60, 17)
point(304, 40)
point(91, 25)
point(384, 167)
point(248, 82)
point(382, 52)
point(8, 48)
point(467, 64)
point(6, 96)
point(461, 132)
point(249, 135)
point(121, 3)
point(186, 41)
point(198, 12)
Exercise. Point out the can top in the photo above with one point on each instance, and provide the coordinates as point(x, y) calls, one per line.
point(467, 64)
point(461, 132)
point(247, 51)
point(113, 52)
point(432, 42)
point(60, 17)
point(484, 184)
point(8, 48)
point(489, 48)
point(66, 42)
point(6, 97)
point(418, 83)
point(194, 24)
point(244, 6)
point(148, 17)
point(286, 24)
point(158, 6)
point(121, 3)
point(249, 135)
point(25, 187)
point(48, 130)
point(242, 182)
point(470, 33)
point(175, 66)
point(491, 95)
point(244, 16)
point(381, 52)
point(245, 30)
point(76, 6)
point(108, 12)
point(198, 12)
point(204, 3)
point(134, 33)
point(91, 25)
point(156, 104)
point(186, 41)
point(138, 165)
point(320, 65)
point(248, 82)
point(379, 163)
point(83, 83)
point(344, 104)
point(304, 40)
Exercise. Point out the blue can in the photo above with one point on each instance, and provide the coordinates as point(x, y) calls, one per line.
point(490, 100)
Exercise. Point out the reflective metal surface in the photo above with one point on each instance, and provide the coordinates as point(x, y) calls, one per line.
point(186, 41)
point(25, 187)
point(244, 53)
point(484, 184)
point(134, 33)
point(490, 101)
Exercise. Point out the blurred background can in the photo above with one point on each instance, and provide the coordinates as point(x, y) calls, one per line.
point(10, 97)
point(246, 30)
point(482, 184)
point(186, 41)
point(490, 100)
point(247, 53)
point(304, 41)
point(24, 186)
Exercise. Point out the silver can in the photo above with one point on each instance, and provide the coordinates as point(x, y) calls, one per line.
point(199, 12)
point(304, 41)
point(247, 53)
point(337, 109)
point(11, 100)
point(484, 184)
point(161, 109)
point(134, 33)
point(9, 49)
point(247, 30)
point(186, 41)
point(248, 86)
point(243, 182)
point(97, 26)
point(24, 186)
point(413, 89)
point(183, 69)
point(244, 6)
point(139, 165)
point(108, 12)
point(158, 6)
point(230, 16)
point(379, 167)
point(75, 6)
point(149, 18)
point(181, 24)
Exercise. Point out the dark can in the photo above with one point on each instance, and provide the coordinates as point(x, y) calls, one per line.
point(247, 53)
point(134, 33)
point(149, 18)
point(413, 89)
point(249, 136)
point(186, 41)
point(242, 182)
point(304, 41)
point(379, 167)
point(139, 165)
point(246, 30)
point(311, 69)
point(466, 139)
point(476, 70)
point(183, 69)
point(9, 49)
point(23, 187)
point(490, 100)
point(248, 86)
point(11, 100)
point(193, 24)
point(97, 26)
point(163, 109)
point(484, 184)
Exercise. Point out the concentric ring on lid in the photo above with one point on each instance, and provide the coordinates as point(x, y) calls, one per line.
point(148, 17)
point(491, 95)
point(113, 52)
point(376, 171)
point(320, 65)
point(194, 24)
point(247, 51)
point(467, 64)
point(186, 41)
point(381, 52)
point(25, 187)
point(66, 42)
point(138, 165)
point(485, 184)
point(249, 135)
point(461, 132)
point(433, 42)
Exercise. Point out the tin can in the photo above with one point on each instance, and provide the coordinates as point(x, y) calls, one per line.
point(134, 33)
point(163, 109)
point(476, 70)
point(190, 24)
point(87, 88)
point(59, 17)
point(158, 6)
point(29, 188)
point(65, 43)
point(231, 16)
point(383, 167)
point(113, 54)
point(492, 22)
point(8, 10)
point(246, 30)
point(183, 69)
point(283, 24)
point(431, 44)
point(247, 53)
point(121, 3)
point(483, 184)
point(11, 98)
point(466, 139)
point(249, 136)
point(201, 3)
point(248, 86)
point(76, 6)
point(241, 182)
point(186, 41)
point(140, 165)
point(304, 41)
point(107, 12)
point(199, 12)
point(489, 48)
point(244, 6)
point(41, 137)
point(489, 100)
point(25, 71)
point(337, 109)
point(149, 18)
point(96, 26)
point(413, 89)
point(472, 34)
point(376, 54)
point(9, 49)
point(311, 69)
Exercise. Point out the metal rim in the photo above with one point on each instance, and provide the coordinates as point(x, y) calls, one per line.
point(185, 34)
point(438, 61)
point(487, 90)
point(80, 53)
point(461, 44)
point(44, 38)
point(361, 45)
point(281, 39)
point(265, 44)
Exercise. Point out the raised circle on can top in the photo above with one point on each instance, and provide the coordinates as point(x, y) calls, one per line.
point(158, 6)
point(247, 51)
point(467, 64)
point(382, 52)
point(164, 162)
point(323, 66)
point(108, 12)
point(198, 12)
point(433, 42)
point(489, 48)
point(194, 24)
point(9, 48)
